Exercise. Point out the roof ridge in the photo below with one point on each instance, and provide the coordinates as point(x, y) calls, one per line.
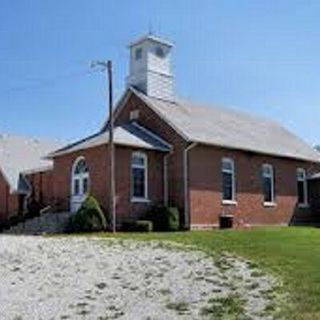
point(182, 102)
point(225, 108)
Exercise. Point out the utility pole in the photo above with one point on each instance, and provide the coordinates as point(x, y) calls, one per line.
point(107, 66)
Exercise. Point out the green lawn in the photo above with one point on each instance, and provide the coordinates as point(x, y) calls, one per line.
point(291, 253)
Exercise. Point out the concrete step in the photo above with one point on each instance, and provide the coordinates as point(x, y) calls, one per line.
point(46, 223)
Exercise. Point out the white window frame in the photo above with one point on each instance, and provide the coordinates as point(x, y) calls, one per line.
point(80, 178)
point(271, 177)
point(305, 186)
point(145, 167)
point(231, 171)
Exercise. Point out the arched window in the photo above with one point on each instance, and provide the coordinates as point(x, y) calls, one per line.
point(139, 174)
point(80, 177)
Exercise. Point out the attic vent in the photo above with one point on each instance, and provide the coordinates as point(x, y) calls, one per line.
point(134, 114)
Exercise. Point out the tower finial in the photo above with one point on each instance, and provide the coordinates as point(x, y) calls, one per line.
point(150, 31)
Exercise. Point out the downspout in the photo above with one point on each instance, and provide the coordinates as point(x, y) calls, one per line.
point(186, 184)
point(165, 178)
point(7, 201)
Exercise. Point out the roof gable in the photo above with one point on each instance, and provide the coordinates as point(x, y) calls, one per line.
point(145, 99)
point(131, 134)
point(20, 154)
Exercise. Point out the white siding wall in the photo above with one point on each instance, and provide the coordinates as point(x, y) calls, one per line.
point(152, 74)
point(160, 86)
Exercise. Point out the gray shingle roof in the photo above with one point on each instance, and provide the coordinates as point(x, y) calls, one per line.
point(231, 129)
point(132, 135)
point(20, 154)
point(152, 38)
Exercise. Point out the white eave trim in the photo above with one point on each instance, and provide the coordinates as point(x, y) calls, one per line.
point(315, 176)
point(121, 144)
point(270, 154)
point(38, 170)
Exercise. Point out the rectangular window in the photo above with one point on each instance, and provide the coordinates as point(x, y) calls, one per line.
point(228, 180)
point(139, 176)
point(268, 183)
point(302, 187)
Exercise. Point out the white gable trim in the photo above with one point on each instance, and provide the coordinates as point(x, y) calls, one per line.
point(155, 136)
point(11, 188)
point(119, 106)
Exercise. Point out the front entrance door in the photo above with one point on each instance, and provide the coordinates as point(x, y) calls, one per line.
point(80, 184)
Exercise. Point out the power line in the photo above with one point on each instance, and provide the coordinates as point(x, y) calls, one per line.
point(49, 82)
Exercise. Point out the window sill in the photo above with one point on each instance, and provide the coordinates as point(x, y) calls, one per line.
point(140, 200)
point(229, 202)
point(269, 204)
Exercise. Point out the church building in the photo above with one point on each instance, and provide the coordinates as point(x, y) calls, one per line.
point(205, 160)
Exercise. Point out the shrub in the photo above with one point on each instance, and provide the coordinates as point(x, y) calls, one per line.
point(15, 219)
point(33, 208)
point(138, 226)
point(89, 217)
point(144, 226)
point(164, 218)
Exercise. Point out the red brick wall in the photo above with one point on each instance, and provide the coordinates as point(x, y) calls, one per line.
point(42, 183)
point(205, 182)
point(97, 162)
point(9, 203)
point(125, 208)
point(62, 175)
point(150, 120)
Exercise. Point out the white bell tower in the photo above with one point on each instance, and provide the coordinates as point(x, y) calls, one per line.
point(150, 67)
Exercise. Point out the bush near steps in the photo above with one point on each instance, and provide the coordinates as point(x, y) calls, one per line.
point(163, 218)
point(89, 217)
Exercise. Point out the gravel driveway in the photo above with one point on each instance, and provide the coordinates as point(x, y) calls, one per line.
point(88, 278)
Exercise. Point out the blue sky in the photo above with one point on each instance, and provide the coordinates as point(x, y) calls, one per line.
point(257, 56)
